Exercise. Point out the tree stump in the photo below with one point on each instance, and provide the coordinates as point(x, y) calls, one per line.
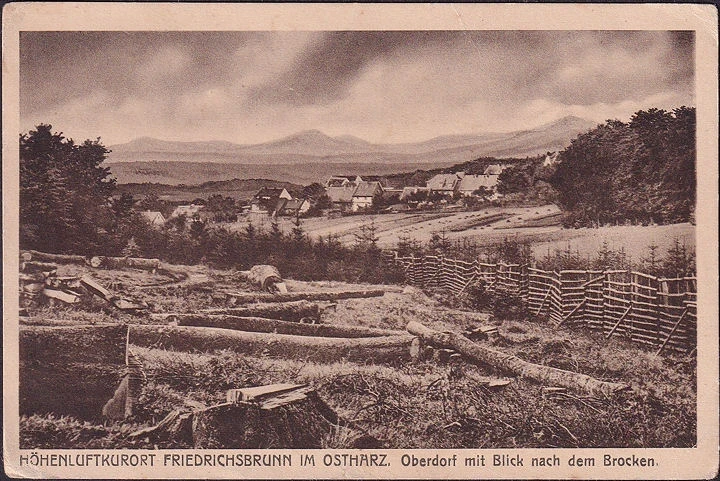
point(267, 417)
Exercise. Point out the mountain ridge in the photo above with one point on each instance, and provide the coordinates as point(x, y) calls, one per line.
point(313, 145)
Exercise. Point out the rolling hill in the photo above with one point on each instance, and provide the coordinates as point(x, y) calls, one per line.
point(313, 146)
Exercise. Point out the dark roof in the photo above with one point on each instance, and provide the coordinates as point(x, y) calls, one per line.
point(367, 189)
point(269, 192)
point(294, 204)
point(340, 194)
point(375, 178)
point(335, 182)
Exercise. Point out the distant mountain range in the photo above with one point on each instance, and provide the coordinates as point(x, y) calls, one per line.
point(313, 146)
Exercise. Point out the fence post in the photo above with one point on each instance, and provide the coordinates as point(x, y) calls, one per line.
point(623, 293)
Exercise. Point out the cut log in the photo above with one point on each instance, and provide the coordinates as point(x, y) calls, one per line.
point(123, 304)
point(387, 349)
point(259, 324)
point(250, 297)
point(509, 363)
point(38, 267)
point(264, 277)
point(39, 321)
point(260, 392)
point(57, 258)
point(126, 262)
point(178, 273)
point(68, 297)
point(287, 311)
point(70, 370)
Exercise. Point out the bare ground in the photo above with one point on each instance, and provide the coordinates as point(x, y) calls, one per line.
point(422, 404)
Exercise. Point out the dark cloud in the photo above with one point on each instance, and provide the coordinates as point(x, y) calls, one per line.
point(58, 66)
point(324, 72)
point(533, 62)
point(204, 84)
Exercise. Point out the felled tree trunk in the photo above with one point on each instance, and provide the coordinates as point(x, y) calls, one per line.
point(319, 349)
point(249, 297)
point(515, 365)
point(59, 258)
point(175, 272)
point(287, 311)
point(259, 324)
point(125, 262)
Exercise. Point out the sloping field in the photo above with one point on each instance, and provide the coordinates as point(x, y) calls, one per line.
point(538, 226)
point(389, 228)
point(394, 401)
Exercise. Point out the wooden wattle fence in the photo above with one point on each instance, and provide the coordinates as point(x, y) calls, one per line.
point(658, 312)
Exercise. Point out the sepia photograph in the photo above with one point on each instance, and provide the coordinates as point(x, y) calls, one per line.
point(245, 243)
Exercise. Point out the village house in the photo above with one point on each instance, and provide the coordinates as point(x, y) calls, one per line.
point(154, 218)
point(494, 169)
point(471, 183)
point(408, 191)
point(267, 199)
point(188, 211)
point(381, 179)
point(341, 196)
point(343, 180)
point(292, 207)
point(445, 184)
point(364, 194)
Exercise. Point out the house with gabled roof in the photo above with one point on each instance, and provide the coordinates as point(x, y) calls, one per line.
point(343, 180)
point(292, 207)
point(267, 200)
point(341, 196)
point(471, 183)
point(445, 184)
point(153, 217)
point(364, 194)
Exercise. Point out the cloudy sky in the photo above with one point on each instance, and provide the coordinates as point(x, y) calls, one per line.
point(250, 87)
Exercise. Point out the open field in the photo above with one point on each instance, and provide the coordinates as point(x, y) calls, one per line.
point(501, 223)
point(393, 401)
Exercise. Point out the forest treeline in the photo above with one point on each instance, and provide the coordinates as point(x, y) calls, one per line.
point(642, 171)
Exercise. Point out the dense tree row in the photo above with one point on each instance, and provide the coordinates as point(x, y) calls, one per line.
point(67, 205)
point(294, 253)
point(642, 171)
point(66, 202)
point(527, 182)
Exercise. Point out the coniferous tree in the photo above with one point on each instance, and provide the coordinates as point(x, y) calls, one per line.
point(65, 194)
